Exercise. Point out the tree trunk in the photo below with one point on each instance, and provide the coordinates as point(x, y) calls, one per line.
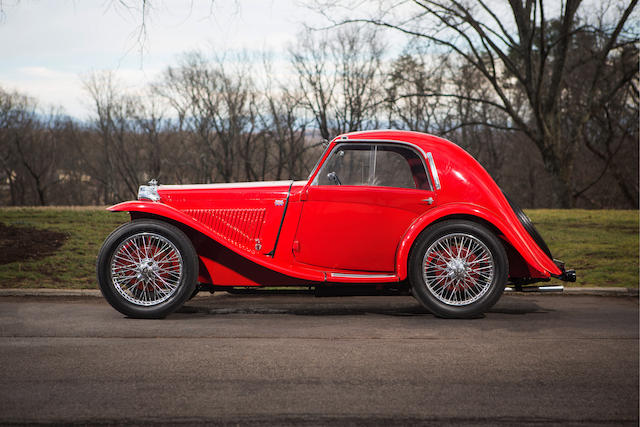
point(625, 184)
point(561, 170)
point(41, 196)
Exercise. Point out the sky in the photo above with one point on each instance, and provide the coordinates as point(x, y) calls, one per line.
point(48, 46)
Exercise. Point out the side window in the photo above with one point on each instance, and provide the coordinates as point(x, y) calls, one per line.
point(347, 165)
point(383, 165)
point(400, 166)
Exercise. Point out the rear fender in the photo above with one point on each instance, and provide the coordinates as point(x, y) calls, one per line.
point(538, 262)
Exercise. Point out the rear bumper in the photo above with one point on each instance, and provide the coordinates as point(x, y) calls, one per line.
point(566, 275)
point(524, 285)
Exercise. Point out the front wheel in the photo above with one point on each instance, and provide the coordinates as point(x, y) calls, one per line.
point(458, 269)
point(147, 268)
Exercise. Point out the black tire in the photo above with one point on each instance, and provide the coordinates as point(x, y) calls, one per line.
point(528, 225)
point(437, 279)
point(165, 292)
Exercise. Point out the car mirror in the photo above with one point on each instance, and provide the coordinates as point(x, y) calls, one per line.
point(333, 178)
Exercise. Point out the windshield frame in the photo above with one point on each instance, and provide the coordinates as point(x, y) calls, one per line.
point(324, 153)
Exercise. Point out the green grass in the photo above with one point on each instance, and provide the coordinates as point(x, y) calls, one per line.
point(73, 265)
point(602, 246)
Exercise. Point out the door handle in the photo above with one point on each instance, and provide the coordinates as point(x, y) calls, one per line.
point(429, 200)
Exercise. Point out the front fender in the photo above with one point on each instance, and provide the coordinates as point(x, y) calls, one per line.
point(512, 231)
point(162, 210)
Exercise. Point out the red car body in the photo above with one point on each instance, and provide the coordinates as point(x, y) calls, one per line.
point(302, 232)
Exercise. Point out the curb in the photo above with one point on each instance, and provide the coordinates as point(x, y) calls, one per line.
point(95, 293)
point(32, 292)
point(602, 292)
point(633, 292)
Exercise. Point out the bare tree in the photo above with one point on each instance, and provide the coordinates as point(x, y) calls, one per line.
point(131, 129)
point(414, 100)
point(284, 126)
point(150, 124)
point(217, 103)
point(316, 79)
point(29, 148)
point(526, 50)
point(612, 137)
point(117, 164)
point(8, 117)
point(340, 75)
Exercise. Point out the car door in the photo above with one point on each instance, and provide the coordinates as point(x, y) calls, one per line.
point(359, 206)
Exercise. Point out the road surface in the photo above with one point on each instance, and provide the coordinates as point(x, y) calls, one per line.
point(299, 360)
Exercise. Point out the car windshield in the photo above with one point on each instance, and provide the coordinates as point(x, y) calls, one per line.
point(319, 160)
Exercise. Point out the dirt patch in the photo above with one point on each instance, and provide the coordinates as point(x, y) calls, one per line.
point(27, 243)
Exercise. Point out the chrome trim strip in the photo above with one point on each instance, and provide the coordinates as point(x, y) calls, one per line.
point(384, 141)
point(434, 171)
point(230, 185)
point(362, 276)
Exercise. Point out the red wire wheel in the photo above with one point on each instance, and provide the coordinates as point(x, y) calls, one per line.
point(458, 268)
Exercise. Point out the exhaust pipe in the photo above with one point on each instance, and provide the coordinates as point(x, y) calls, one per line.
point(555, 288)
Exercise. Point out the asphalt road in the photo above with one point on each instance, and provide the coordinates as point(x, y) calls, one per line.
point(300, 360)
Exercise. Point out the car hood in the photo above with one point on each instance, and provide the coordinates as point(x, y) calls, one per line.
point(177, 195)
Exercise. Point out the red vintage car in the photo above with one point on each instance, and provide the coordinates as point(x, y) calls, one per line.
point(382, 210)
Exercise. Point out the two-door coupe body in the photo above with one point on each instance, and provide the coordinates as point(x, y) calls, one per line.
point(380, 207)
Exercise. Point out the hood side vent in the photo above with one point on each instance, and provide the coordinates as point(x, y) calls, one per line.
point(240, 227)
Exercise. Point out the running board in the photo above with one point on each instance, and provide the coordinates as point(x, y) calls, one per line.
point(361, 276)
point(341, 277)
point(557, 288)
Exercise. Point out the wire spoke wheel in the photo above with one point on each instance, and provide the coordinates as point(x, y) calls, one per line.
point(458, 269)
point(146, 269)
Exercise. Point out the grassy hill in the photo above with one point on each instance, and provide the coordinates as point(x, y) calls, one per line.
point(601, 245)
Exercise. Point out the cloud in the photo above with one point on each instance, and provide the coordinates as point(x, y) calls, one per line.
point(51, 88)
point(41, 73)
point(51, 45)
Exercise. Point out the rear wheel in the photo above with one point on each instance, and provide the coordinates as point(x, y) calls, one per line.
point(458, 269)
point(147, 269)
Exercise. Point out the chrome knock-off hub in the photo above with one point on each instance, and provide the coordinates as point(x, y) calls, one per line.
point(147, 269)
point(456, 268)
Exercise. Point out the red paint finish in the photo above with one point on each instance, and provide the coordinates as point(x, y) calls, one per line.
point(227, 268)
point(360, 233)
point(356, 228)
point(242, 227)
point(244, 216)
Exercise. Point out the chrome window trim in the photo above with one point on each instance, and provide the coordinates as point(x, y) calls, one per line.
point(344, 141)
point(434, 171)
point(317, 165)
